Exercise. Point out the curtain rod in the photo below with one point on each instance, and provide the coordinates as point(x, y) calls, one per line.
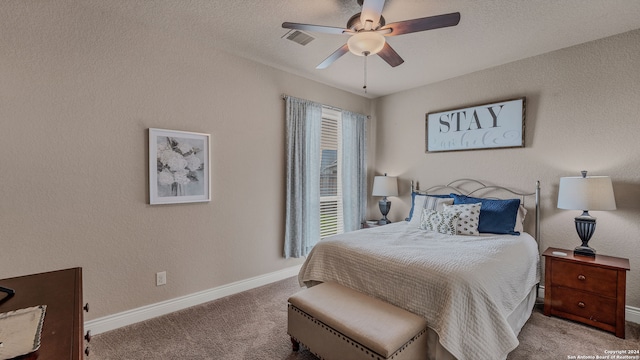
point(284, 97)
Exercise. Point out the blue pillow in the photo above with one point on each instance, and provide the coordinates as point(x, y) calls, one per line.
point(413, 201)
point(496, 216)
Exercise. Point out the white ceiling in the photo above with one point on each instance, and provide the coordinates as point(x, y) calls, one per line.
point(490, 33)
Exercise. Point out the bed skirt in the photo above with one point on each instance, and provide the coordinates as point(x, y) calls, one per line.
point(516, 320)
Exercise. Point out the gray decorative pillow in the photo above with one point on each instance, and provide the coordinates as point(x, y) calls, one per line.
point(429, 203)
point(444, 223)
point(469, 217)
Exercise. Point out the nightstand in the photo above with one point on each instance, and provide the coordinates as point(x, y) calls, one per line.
point(586, 289)
point(365, 224)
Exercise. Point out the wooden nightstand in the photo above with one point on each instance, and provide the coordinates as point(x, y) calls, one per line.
point(366, 225)
point(585, 289)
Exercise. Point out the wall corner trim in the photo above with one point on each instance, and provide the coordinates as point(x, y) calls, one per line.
point(129, 317)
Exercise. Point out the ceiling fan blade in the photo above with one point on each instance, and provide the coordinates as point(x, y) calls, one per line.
point(316, 28)
point(333, 57)
point(371, 11)
point(422, 24)
point(390, 56)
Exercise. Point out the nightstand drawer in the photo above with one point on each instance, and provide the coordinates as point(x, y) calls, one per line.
point(585, 277)
point(585, 305)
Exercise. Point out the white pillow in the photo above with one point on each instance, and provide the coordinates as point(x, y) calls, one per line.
point(522, 213)
point(429, 203)
point(469, 217)
point(442, 222)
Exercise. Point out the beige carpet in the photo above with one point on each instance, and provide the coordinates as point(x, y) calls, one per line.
point(252, 325)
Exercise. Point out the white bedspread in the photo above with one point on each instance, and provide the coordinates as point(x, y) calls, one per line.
point(464, 286)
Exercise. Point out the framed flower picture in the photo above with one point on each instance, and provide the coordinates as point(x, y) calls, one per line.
point(179, 169)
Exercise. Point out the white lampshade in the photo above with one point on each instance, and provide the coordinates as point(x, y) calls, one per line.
point(385, 186)
point(586, 193)
point(369, 42)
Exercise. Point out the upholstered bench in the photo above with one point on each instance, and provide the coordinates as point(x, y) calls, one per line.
point(339, 323)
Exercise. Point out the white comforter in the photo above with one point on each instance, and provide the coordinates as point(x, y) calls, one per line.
point(464, 286)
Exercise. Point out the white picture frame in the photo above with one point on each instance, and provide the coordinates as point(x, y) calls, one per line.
point(488, 126)
point(179, 167)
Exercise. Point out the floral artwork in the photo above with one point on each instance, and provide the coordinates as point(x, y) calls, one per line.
point(178, 166)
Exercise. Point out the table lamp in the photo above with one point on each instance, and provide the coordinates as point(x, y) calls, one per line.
point(385, 186)
point(586, 193)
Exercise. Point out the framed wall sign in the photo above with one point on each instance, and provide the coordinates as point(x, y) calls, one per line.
point(489, 126)
point(179, 170)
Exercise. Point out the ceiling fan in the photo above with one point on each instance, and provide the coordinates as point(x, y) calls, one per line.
point(368, 31)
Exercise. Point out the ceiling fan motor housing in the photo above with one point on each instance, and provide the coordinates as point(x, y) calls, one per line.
point(355, 24)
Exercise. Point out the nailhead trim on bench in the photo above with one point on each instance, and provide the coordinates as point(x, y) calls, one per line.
point(350, 341)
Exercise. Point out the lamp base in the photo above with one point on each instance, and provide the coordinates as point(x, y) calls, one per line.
point(584, 251)
point(385, 206)
point(585, 226)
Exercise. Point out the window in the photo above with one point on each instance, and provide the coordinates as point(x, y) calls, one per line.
point(331, 219)
point(326, 174)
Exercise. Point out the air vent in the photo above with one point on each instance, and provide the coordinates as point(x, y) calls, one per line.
point(298, 36)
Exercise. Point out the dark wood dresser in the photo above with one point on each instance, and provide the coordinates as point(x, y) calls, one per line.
point(61, 291)
point(586, 289)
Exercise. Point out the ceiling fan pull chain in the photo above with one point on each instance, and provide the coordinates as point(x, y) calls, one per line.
point(366, 55)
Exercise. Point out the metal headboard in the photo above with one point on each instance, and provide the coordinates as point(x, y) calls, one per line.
point(479, 189)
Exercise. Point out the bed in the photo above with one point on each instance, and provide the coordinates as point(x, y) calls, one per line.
point(476, 290)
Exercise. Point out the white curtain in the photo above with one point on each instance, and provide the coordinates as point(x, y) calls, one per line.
point(302, 228)
point(354, 169)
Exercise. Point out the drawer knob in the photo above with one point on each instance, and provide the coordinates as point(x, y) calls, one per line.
point(88, 336)
point(582, 277)
point(581, 304)
point(86, 307)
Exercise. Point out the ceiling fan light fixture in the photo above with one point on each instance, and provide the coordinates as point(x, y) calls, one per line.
point(366, 42)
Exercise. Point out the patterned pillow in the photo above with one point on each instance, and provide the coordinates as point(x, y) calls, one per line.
point(429, 203)
point(469, 217)
point(442, 222)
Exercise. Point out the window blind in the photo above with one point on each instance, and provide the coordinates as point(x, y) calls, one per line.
point(331, 219)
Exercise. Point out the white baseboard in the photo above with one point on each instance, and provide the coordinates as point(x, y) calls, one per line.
point(631, 314)
point(112, 322)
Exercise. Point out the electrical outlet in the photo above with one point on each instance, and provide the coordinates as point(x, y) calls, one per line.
point(161, 278)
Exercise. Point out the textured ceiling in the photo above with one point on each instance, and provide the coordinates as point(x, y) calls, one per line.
point(490, 33)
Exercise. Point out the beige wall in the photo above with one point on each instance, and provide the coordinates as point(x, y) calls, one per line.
point(79, 87)
point(583, 112)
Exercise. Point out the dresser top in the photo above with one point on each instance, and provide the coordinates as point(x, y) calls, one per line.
point(599, 260)
point(61, 292)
